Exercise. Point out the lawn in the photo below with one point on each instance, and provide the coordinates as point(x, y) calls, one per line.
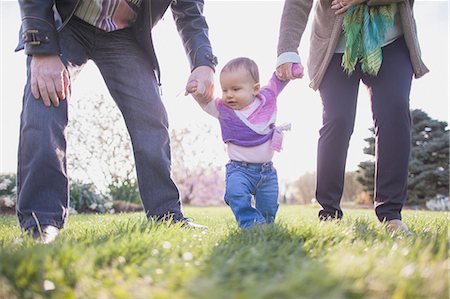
point(125, 256)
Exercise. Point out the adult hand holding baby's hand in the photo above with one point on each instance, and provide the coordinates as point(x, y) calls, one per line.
point(201, 84)
point(191, 87)
point(290, 71)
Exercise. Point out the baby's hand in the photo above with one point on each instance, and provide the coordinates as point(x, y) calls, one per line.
point(297, 70)
point(191, 87)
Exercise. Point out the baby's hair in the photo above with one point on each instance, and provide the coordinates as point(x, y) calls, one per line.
point(245, 63)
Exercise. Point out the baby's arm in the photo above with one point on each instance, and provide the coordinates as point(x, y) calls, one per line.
point(276, 85)
point(209, 105)
point(211, 108)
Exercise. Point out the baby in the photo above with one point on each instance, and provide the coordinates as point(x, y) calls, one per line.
point(247, 114)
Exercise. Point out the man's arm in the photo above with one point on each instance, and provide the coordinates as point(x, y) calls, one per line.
point(49, 78)
point(193, 29)
point(38, 30)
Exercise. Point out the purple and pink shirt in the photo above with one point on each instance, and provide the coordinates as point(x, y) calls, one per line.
point(250, 133)
point(108, 15)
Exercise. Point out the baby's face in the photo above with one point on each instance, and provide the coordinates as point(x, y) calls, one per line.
point(238, 88)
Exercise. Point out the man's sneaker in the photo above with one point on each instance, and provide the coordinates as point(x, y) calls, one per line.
point(45, 234)
point(187, 223)
point(397, 226)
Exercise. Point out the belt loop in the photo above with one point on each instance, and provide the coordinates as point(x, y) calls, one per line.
point(267, 164)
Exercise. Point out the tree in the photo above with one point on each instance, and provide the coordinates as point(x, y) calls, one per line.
point(429, 168)
point(352, 187)
point(99, 147)
point(429, 163)
point(100, 152)
point(366, 171)
point(305, 187)
point(196, 165)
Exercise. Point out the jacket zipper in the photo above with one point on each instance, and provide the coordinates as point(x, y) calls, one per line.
point(70, 16)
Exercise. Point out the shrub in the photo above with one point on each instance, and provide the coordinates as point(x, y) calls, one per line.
point(124, 190)
point(8, 184)
point(364, 198)
point(84, 198)
point(439, 203)
point(8, 194)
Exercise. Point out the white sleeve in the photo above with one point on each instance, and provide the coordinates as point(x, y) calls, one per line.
point(288, 57)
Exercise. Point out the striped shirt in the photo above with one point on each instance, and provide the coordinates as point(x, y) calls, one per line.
point(108, 15)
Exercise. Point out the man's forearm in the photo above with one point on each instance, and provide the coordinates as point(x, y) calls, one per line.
point(193, 29)
point(38, 31)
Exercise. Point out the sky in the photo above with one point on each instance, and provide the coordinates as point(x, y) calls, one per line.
point(237, 28)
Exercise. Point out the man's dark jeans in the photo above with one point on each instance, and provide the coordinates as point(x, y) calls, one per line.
point(389, 92)
point(42, 183)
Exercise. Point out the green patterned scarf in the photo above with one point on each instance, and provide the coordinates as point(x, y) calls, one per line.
point(365, 28)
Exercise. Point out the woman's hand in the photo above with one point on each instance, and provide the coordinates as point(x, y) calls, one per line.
point(289, 71)
point(341, 6)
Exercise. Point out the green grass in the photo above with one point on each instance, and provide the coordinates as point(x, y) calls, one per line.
point(125, 256)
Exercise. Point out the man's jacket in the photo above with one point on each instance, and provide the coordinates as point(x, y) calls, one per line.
point(43, 19)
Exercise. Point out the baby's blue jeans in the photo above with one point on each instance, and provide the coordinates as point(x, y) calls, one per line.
point(246, 179)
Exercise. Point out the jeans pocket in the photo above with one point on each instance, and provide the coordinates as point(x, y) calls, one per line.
point(230, 168)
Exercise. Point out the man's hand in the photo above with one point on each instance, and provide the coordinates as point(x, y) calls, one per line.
point(49, 79)
point(289, 71)
point(201, 84)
